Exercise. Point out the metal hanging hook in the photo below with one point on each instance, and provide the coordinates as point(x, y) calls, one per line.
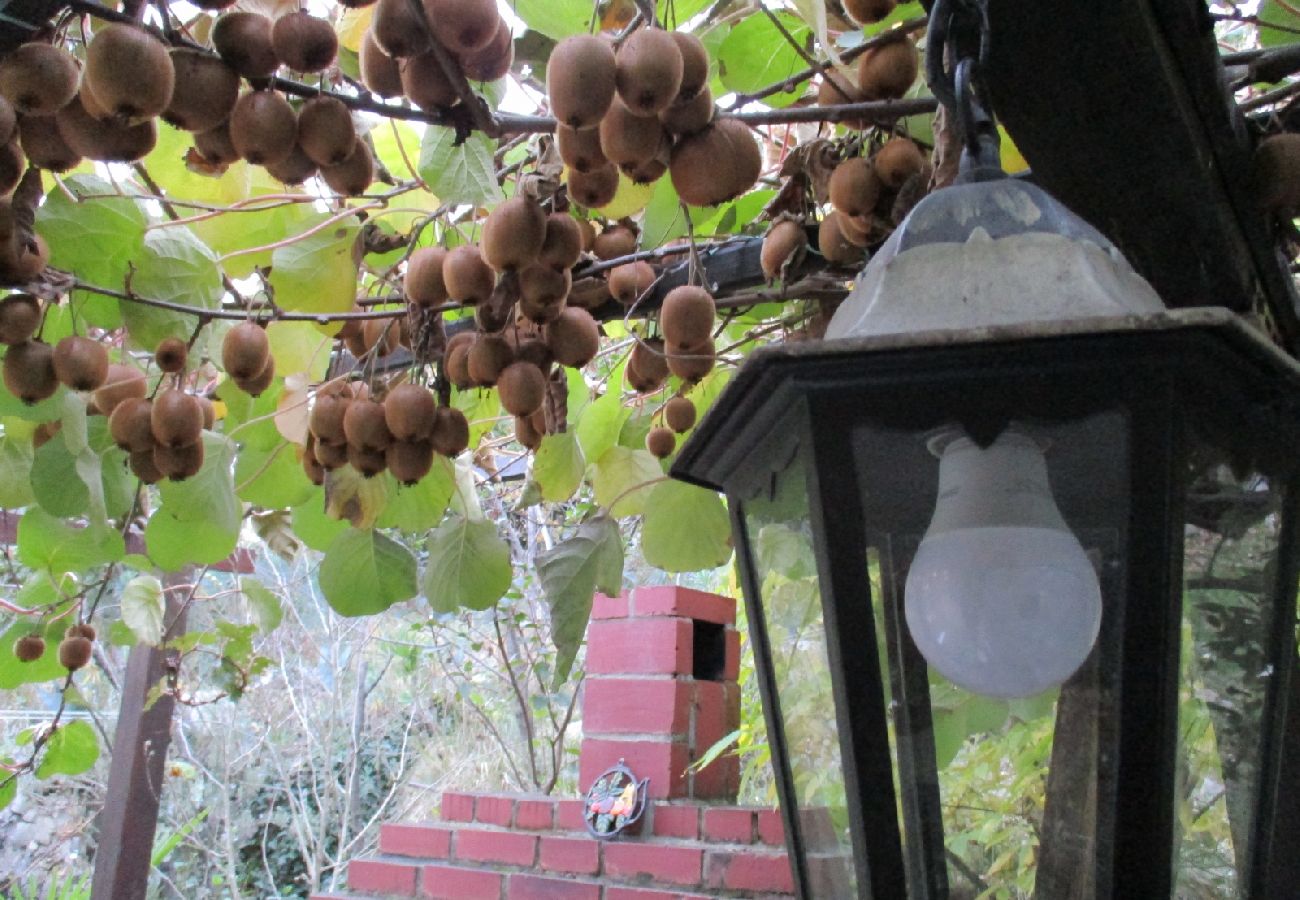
point(957, 49)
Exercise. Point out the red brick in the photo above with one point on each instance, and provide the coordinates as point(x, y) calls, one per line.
point(492, 810)
point(717, 714)
point(677, 820)
point(639, 647)
point(731, 657)
point(662, 862)
point(428, 841)
point(538, 887)
point(719, 780)
point(380, 877)
point(455, 883)
point(748, 870)
point(535, 815)
point(606, 607)
point(664, 763)
point(568, 815)
point(577, 856)
point(496, 847)
point(457, 807)
point(671, 600)
point(636, 706)
point(771, 827)
point(729, 825)
point(626, 893)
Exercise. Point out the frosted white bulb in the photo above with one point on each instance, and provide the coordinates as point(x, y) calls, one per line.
point(1001, 597)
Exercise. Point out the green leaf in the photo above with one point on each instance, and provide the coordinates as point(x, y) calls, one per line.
point(1277, 24)
point(71, 750)
point(570, 573)
point(16, 472)
point(318, 274)
point(271, 479)
point(663, 220)
point(262, 602)
point(686, 528)
point(200, 517)
point(14, 673)
point(250, 420)
point(143, 607)
point(468, 565)
point(174, 542)
point(364, 572)
point(755, 54)
point(459, 174)
point(45, 542)
point(618, 473)
point(8, 783)
point(556, 18)
point(79, 470)
point(598, 425)
point(315, 527)
point(178, 267)
point(419, 506)
point(352, 497)
point(558, 466)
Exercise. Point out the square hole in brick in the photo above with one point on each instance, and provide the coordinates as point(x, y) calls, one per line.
point(709, 651)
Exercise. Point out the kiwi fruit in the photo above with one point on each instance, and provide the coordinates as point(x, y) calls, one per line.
point(526, 433)
point(380, 336)
point(690, 362)
point(216, 146)
point(455, 365)
point(23, 261)
point(263, 127)
point(647, 369)
point(1275, 170)
point(626, 137)
point(463, 26)
point(513, 234)
point(366, 427)
point(45, 433)
point(8, 120)
point(468, 278)
point(12, 166)
point(629, 281)
point(325, 130)
point(487, 359)
point(679, 414)
point(326, 420)
point(581, 79)
point(178, 463)
point(332, 456)
point(243, 40)
point(580, 148)
point(562, 245)
point(543, 286)
point(661, 442)
point(574, 337)
point(399, 29)
point(143, 467)
point(29, 371)
point(311, 466)
point(689, 116)
point(131, 425)
point(257, 385)
point(44, 145)
point(123, 383)
point(833, 245)
point(80, 363)
point(648, 71)
point(450, 431)
point(351, 177)
point(898, 160)
point(536, 351)
point(295, 168)
point(855, 187)
point(176, 419)
point(594, 189)
point(423, 284)
point(615, 241)
point(110, 140)
point(129, 72)
point(856, 230)
point(887, 71)
point(686, 316)
point(408, 411)
point(39, 79)
point(837, 89)
point(522, 387)
point(409, 461)
point(783, 247)
point(426, 84)
point(29, 648)
point(245, 350)
point(695, 65)
point(867, 12)
point(74, 653)
point(205, 92)
point(380, 73)
point(81, 629)
point(649, 170)
point(209, 412)
point(716, 164)
point(492, 61)
point(20, 316)
point(303, 42)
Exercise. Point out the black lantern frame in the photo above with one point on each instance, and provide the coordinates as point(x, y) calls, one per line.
point(1180, 380)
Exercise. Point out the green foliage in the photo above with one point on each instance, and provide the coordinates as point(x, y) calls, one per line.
point(468, 565)
point(198, 522)
point(685, 529)
point(318, 273)
point(558, 466)
point(571, 572)
point(756, 54)
point(365, 572)
point(459, 172)
point(143, 607)
point(71, 750)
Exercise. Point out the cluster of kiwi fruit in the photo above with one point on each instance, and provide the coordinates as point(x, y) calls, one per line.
point(886, 71)
point(75, 648)
point(862, 193)
point(645, 110)
point(678, 418)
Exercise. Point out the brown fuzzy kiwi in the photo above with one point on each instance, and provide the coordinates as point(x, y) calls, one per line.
point(650, 170)
point(171, 354)
point(178, 463)
point(263, 127)
point(648, 71)
point(123, 382)
point(887, 71)
point(543, 286)
point(661, 442)
point(12, 166)
point(380, 336)
point(351, 177)
point(715, 164)
point(257, 385)
point(630, 280)
point(365, 425)
point(399, 29)
point(539, 313)
point(647, 369)
point(855, 187)
point(29, 371)
point(867, 12)
point(580, 148)
point(836, 89)
point(627, 138)
point(562, 246)
point(455, 364)
point(856, 230)
point(594, 189)
point(352, 334)
point(408, 410)
point(29, 648)
point(589, 293)
point(468, 278)
point(311, 466)
point(81, 629)
point(245, 350)
point(38, 78)
point(209, 412)
point(690, 362)
point(423, 283)
point(522, 387)
point(695, 65)
point(131, 425)
point(488, 357)
point(580, 80)
point(614, 241)
point(526, 433)
point(295, 168)
point(143, 466)
point(574, 337)
point(45, 433)
point(129, 72)
point(426, 84)
point(463, 26)
point(493, 61)
point(1275, 170)
point(409, 461)
point(450, 431)
point(513, 234)
point(833, 245)
point(81, 363)
point(107, 140)
point(23, 261)
point(689, 116)
point(367, 461)
point(490, 318)
point(686, 316)
point(216, 146)
point(536, 351)
point(783, 246)
point(176, 419)
point(679, 414)
point(8, 120)
point(303, 42)
point(326, 419)
point(74, 653)
point(20, 316)
point(380, 73)
point(325, 130)
point(44, 145)
point(205, 93)
point(243, 40)
point(332, 456)
point(898, 161)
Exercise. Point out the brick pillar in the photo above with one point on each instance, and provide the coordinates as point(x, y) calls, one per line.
point(661, 689)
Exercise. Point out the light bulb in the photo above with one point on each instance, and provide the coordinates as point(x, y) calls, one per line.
point(1001, 597)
